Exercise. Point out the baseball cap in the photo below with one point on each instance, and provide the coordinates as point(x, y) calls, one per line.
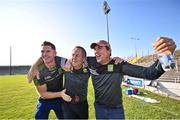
point(100, 43)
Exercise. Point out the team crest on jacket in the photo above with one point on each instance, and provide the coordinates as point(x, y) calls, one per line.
point(85, 70)
point(110, 67)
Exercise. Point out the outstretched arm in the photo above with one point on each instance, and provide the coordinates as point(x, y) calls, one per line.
point(163, 45)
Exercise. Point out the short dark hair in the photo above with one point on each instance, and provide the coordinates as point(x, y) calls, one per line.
point(47, 43)
point(83, 50)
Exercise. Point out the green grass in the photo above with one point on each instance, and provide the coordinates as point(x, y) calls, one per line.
point(137, 109)
point(17, 97)
point(18, 100)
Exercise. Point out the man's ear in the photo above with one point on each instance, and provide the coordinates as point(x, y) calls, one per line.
point(109, 51)
point(85, 64)
point(84, 60)
point(55, 53)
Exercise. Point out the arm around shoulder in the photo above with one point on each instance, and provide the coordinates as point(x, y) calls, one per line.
point(33, 71)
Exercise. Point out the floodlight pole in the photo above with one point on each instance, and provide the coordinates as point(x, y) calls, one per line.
point(135, 39)
point(10, 67)
point(106, 10)
point(107, 27)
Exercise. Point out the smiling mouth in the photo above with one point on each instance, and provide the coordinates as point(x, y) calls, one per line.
point(45, 58)
point(97, 55)
point(73, 60)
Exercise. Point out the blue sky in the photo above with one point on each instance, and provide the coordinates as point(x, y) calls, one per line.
point(25, 24)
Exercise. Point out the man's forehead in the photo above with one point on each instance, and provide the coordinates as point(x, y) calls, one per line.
point(77, 50)
point(46, 47)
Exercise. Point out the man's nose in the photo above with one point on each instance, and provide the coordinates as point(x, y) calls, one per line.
point(95, 51)
point(44, 53)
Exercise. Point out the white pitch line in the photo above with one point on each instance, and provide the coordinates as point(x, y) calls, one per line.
point(162, 109)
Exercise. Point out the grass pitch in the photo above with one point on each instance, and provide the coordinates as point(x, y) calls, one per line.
point(18, 100)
